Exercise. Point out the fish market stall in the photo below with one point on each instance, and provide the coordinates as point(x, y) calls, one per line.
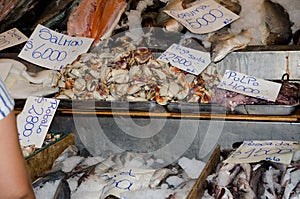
point(105, 125)
point(166, 78)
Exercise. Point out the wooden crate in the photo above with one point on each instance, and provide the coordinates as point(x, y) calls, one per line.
point(200, 185)
point(42, 160)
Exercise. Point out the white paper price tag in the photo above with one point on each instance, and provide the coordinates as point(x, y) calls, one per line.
point(35, 119)
point(11, 38)
point(205, 17)
point(270, 150)
point(187, 59)
point(4, 70)
point(125, 180)
point(53, 50)
point(249, 85)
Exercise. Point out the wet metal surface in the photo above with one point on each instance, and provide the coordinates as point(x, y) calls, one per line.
point(264, 62)
point(192, 137)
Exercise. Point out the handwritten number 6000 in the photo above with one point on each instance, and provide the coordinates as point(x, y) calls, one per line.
point(48, 53)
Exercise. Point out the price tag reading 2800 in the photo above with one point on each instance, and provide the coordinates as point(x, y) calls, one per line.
point(35, 119)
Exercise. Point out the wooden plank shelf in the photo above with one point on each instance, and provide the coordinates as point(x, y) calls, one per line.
point(288, 118)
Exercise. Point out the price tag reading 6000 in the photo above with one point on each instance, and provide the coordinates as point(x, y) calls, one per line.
point(50, 49)
point(34, 121)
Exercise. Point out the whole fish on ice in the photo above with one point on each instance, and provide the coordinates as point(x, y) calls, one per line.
point(226, 43)
point(267, 21)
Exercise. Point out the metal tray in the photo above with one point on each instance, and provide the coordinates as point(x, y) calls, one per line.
point(183, 107)
point(271, 109)
point(249, 109)
point(96, 105)
point(88, 105)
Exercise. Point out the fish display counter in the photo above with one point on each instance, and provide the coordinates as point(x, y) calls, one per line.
point(156, 67)
point(114, 115)
point(165, 78)
point(234, 173)
point(195, 128)
point(249, 169)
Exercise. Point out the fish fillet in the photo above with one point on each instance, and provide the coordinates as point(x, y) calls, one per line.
point(80, 20)
point(107, 16)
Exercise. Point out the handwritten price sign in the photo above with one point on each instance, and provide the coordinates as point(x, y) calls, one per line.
point(255, 151)
point(187, 59)
point(53, 50)
point(35, 119)
point(125, 180)
point(205, 17)
point(249, 85)
point(11, 38)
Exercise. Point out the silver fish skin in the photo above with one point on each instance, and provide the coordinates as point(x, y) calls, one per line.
point(159, 175)
point(267, 21)
point(162, 17)
point(164, 20)
point(70, 151)
point(244, 189)
point(270, 182)
point(49, 177)
point(247, 168)
point(63, 190)
point(228, 43)
point(278, 23)
point(293, 185)
point(225, 176)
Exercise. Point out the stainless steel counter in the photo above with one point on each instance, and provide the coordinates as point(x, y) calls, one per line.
point(168, 137)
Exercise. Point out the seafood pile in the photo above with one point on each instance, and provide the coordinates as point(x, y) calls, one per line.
point(128, 73)
point(264, 179)
point(132, 73)
point(75, 176)
point(288, 95)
